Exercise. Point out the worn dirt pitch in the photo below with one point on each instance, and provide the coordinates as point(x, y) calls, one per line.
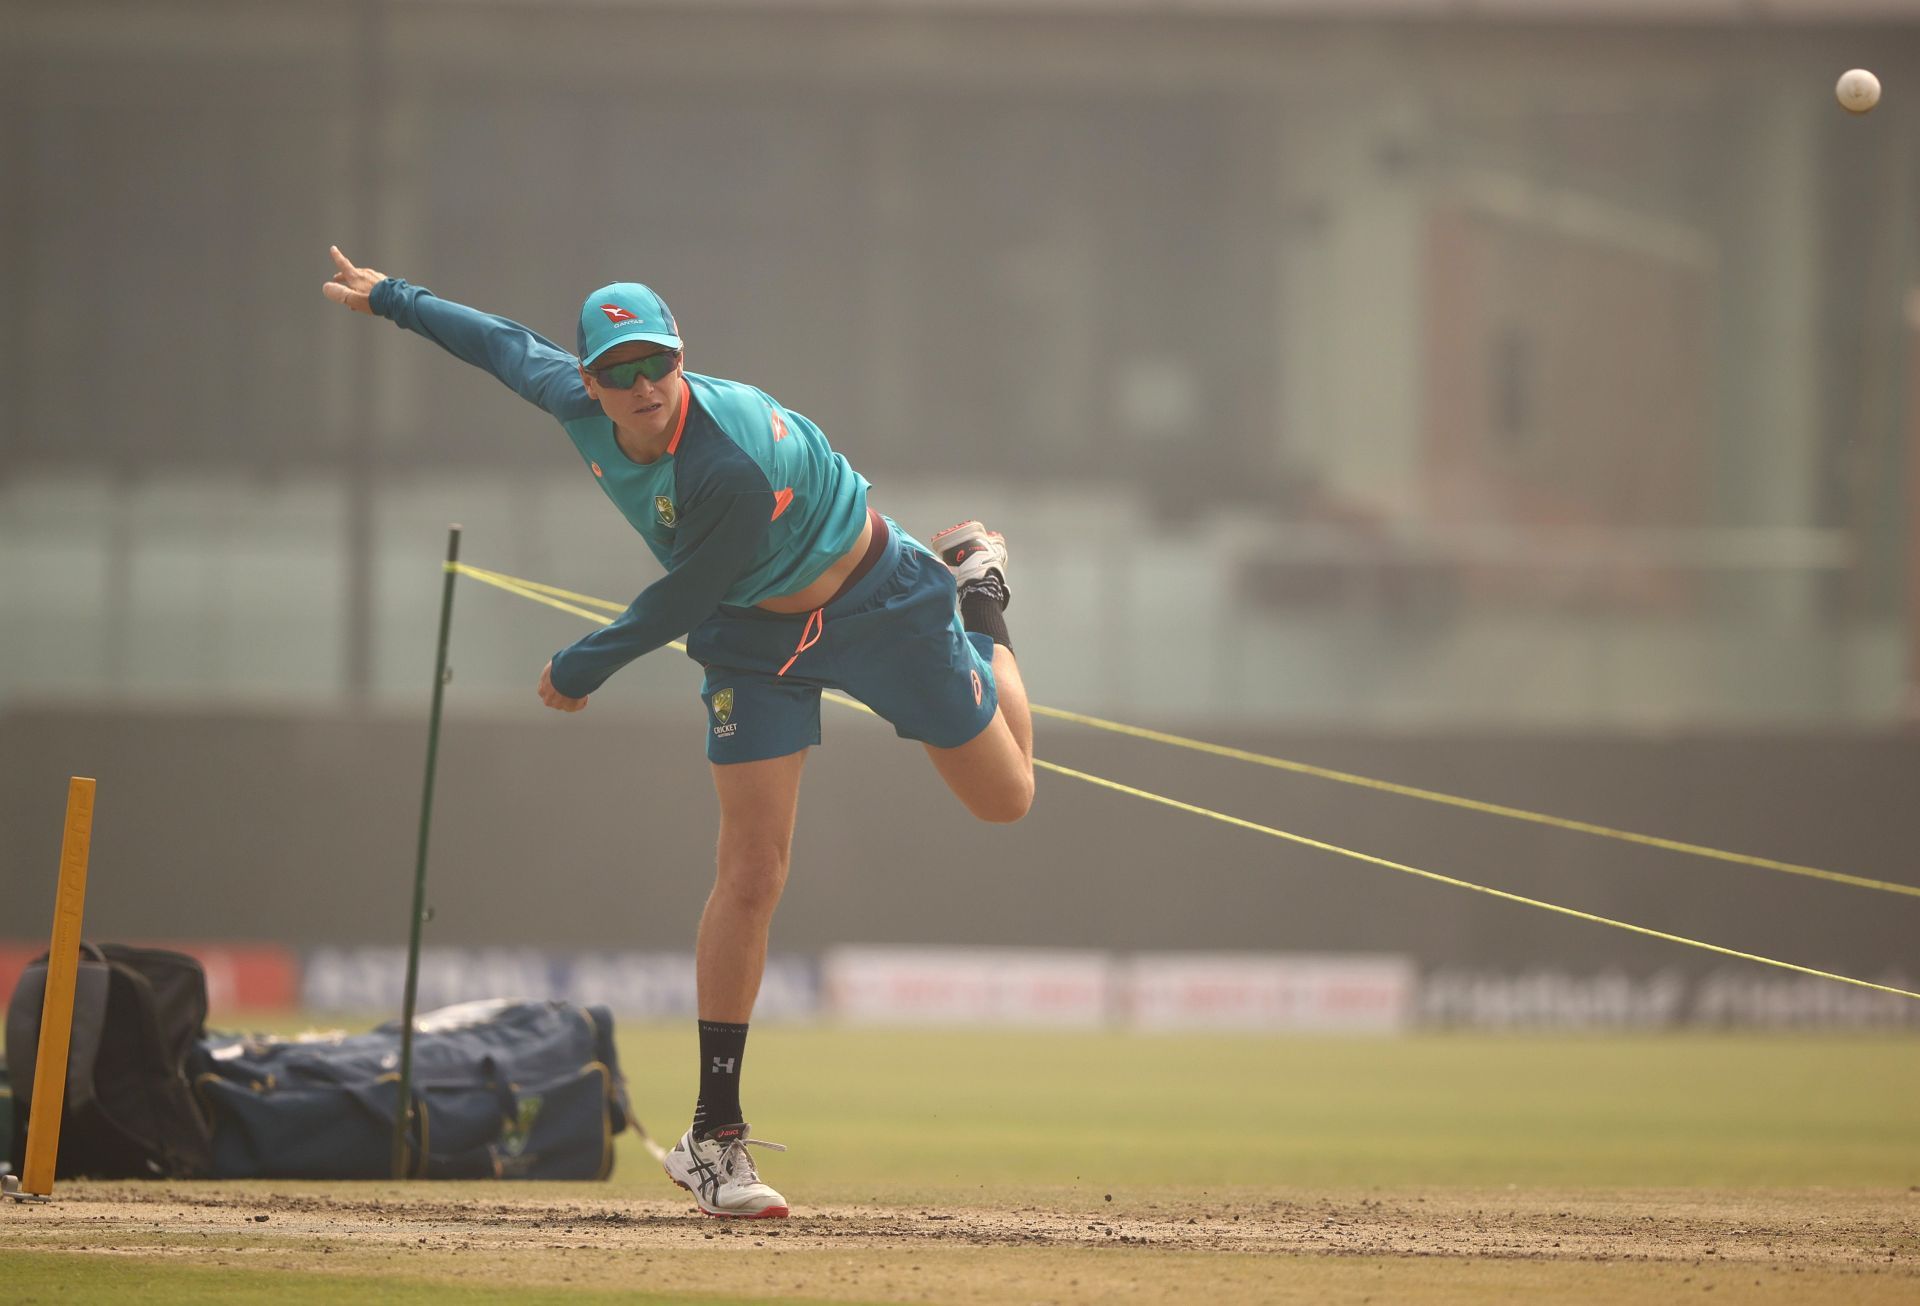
point(975, 1167)
point(1236, 1246)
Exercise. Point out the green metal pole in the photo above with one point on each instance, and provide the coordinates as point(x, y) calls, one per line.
point(403, 1117)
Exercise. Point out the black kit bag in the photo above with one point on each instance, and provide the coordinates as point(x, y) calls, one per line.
point(138, 1014)
point(501, 1090)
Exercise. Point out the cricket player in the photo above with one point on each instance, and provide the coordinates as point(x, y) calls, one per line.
point(785, 582)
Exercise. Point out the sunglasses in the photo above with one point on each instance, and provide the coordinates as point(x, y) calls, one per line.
point(622, 376)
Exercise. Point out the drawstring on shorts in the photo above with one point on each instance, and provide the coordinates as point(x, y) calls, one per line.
point(817, 619)
point(816, 623)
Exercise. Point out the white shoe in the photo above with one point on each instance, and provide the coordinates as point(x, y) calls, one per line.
point(716, 1169)
point(974, 554)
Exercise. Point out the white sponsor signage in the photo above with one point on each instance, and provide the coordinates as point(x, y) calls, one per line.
point(1743, 998)
point(1272, 992)
point(968, 986)
point(650, 985)
point(1734, 997)
point(1552, 999)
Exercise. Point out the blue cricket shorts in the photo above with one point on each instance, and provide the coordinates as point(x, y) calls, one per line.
point(894, 641)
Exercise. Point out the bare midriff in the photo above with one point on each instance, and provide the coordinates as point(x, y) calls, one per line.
point(823, 589)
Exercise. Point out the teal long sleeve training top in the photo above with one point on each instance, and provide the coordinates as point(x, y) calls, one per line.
point(749, 502)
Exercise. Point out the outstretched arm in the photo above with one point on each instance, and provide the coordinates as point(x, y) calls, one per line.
point(535, 368)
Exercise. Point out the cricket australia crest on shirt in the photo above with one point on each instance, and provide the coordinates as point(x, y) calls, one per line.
point(723, 722)
point(664, 512)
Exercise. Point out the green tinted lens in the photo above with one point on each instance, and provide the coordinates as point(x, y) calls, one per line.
point(654, 367)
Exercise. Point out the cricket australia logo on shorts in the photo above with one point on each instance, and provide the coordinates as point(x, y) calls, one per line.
point(663, 510)
point(723, 722)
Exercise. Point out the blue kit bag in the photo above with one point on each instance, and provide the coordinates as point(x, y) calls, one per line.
point(501, 1090)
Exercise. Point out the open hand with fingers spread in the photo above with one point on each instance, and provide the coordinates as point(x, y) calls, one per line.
point(351, 285)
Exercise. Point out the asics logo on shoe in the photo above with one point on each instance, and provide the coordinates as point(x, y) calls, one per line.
point(706, 1174)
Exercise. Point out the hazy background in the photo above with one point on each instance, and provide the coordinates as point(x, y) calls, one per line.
point(1515, 399)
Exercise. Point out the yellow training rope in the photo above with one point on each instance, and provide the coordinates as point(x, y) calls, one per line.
point(567, 601)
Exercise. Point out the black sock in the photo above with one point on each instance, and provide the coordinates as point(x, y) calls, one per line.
point(722, 1048)
point(983, 609)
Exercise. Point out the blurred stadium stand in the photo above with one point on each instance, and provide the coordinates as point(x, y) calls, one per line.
point(1512, 395)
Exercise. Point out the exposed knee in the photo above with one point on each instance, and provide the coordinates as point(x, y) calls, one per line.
point(1004, 804)
point(751, 879)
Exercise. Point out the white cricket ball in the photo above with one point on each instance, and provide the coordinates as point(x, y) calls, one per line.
point(1857, 90)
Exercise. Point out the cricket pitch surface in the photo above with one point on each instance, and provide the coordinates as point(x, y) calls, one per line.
point(433, 1242)
point(981, 1167)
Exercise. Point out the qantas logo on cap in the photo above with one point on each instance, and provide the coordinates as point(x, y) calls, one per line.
point(617, 314)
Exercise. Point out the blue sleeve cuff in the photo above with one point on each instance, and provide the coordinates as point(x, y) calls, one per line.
point(381, 298)
point(563, 681)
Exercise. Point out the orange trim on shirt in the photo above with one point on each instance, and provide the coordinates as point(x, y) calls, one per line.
point(686, 401)
point(780, 501)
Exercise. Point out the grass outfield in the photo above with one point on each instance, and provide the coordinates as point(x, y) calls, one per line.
point(991, 1167)
point(939, 1113)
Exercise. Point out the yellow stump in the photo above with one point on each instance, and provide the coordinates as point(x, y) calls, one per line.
point(56, 1010)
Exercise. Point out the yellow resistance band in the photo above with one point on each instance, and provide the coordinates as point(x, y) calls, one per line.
point(567, 601)
point(1458, 884)
point(534, 590)
point(1472, 804)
